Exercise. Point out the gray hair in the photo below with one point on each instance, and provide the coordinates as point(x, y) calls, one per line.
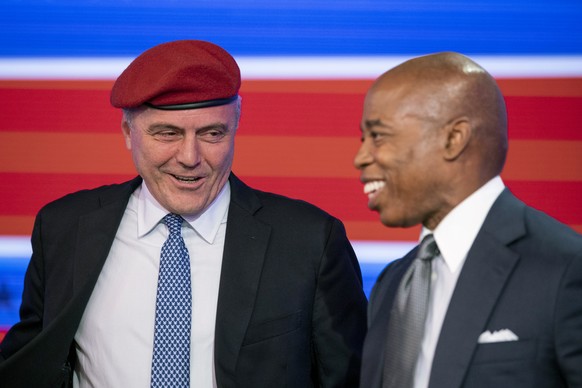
point(129, 113)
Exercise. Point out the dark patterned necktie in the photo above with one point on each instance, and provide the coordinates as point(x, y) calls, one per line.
point(407, 318)
point(171, 358)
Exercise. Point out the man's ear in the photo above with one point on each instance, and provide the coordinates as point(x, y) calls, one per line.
point(126, 130)
point(458, 134)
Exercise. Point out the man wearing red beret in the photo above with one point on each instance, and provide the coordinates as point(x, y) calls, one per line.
point(185, 276)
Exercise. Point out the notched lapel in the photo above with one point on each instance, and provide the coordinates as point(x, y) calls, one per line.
point(244, 253)
point(95, 236)
point(96, 232)
point(488, 267)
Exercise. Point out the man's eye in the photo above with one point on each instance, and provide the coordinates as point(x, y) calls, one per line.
point(211, 136)
point(370, 135)
point(166, 135)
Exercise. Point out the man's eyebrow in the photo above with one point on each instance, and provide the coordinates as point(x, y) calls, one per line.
point(163, 126)
point(375, 123)
point(167, 126)
point(219, 126)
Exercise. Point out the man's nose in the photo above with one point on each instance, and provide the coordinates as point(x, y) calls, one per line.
point(188, 153)
point(363, 156)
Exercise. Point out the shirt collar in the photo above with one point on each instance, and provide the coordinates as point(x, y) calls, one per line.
point(150, 212)
point(456, 233)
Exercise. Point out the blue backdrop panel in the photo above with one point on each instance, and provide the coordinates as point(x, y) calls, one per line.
point(125, 28)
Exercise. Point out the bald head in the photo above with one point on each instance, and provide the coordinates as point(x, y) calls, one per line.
point(434, 130)
point(444, 86)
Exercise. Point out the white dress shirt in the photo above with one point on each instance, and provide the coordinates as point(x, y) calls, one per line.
point(114, 341)
point(454, 236)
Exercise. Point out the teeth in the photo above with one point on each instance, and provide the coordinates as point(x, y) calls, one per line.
point(370, 187)
point(185, 179)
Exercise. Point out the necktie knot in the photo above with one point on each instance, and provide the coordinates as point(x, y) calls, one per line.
point(428, 248)
point(174, 223)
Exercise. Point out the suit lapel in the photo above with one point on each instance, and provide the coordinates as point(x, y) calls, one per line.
point(487, 268)
point(244, 252)
point(96, 232)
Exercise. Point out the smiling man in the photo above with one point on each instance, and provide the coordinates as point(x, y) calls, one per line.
point(492, 296)
point(185, 276)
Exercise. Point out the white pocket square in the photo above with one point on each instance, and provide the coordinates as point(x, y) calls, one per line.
point(503, 335)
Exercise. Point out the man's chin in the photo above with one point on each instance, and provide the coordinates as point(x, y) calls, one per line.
point(392, 222)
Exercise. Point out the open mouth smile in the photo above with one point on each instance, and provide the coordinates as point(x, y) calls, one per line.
point(371, 188)
point(185, 178)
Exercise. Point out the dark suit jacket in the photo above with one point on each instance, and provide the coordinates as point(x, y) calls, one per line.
point(291, 310)
point(523, 273)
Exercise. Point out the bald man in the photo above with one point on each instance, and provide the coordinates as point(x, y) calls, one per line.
point(498, 299)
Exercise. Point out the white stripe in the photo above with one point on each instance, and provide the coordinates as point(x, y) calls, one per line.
point(15, 247)
point(366, 251)
point(344, 67)
point(372, 67)
point(381, 251)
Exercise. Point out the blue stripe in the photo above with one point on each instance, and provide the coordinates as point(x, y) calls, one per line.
point(119, 28)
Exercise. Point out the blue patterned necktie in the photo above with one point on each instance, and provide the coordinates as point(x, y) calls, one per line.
point(407, 318)
point(171, 358)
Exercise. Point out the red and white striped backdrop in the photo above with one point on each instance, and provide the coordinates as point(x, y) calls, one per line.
point(297, 137)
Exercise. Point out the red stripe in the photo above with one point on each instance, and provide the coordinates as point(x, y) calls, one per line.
point(24, 194)
point(282, 156)
point(268, 113)
point(16, 225)
point(344, 198)
point(544, 118)
point(538, 160)
point(561, 200)
point(56, 84)
point(555, 87)
point(56, 110)
point(318, 114)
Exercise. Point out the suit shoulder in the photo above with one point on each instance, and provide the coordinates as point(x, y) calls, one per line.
point(88, 199)
point(531, 231)
point(395, 267)
point(289, 207)
point(551, 233)
point(393, 270)
point(387, 283)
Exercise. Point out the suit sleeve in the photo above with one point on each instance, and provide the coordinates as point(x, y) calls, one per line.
point(31, 309)
point(568, 324)
point(339, 316)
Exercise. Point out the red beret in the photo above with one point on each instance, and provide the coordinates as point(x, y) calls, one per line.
point(184, 74)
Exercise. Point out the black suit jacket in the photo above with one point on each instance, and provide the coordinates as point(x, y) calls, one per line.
point(523, 273)
point(291, 310)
